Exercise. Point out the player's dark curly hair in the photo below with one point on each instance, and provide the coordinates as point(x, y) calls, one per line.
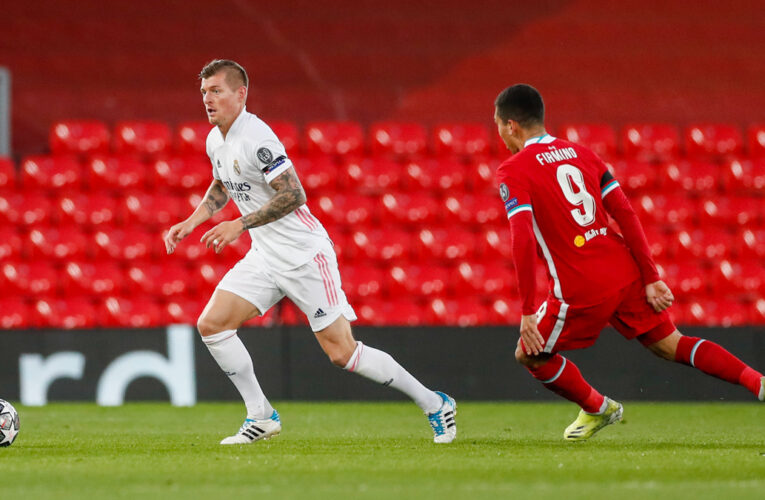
point(236, 76)
point(521, 103)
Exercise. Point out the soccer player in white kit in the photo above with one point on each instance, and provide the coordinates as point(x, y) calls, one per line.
point(291, 256)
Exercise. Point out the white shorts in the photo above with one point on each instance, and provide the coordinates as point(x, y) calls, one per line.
point(314, 287)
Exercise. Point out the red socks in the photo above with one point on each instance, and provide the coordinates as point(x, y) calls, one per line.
point(563, 378)
point(713, 360)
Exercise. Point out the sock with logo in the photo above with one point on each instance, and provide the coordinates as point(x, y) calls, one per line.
point(562, 376)
point(714, 360)
point(382, 368)
point(231, 355)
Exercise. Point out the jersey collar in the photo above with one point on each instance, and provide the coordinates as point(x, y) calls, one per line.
point(542, 139)
point(237, 123)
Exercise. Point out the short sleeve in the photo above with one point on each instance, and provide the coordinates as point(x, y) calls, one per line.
point(271, 158)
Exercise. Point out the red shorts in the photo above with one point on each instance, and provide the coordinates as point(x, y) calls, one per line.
point(566, 327)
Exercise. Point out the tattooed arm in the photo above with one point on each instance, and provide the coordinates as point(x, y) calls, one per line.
point(214, 200)
point(289, 196)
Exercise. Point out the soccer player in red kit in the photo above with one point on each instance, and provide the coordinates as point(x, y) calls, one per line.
point(558, 197)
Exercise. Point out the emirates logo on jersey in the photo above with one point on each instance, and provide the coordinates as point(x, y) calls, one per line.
point(236, 168)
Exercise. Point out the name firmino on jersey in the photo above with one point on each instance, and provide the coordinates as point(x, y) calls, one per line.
point(555, 155)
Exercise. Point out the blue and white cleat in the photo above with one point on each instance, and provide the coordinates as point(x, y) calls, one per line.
point(443, 421)
point(254, 430)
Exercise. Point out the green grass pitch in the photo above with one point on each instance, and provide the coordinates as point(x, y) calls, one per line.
point(384, 450)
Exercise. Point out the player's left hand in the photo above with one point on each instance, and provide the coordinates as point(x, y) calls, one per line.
point(659, 295)
point(532, 339)
point(222, 234)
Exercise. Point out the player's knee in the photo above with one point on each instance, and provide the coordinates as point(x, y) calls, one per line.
point(209, 326)
point(339, 357)
point(521, 357)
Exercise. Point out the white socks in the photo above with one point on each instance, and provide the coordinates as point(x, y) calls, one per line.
point(228, 350)
point(382, 368)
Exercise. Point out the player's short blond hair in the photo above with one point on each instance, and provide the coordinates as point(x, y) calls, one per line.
point(236, 76)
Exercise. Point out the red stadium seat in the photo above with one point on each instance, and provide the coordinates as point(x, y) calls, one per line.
point(59, 243)
point(398, 140)
point(30, 279)
point(504, 312)
point(167, 281)
point(68, 313)
point(363, 282)
point(116, 173)
point(487, 279)
point(710, 312)
point(350, 210)
point(206, 277)
point(444, 175)
point(738, 279)
point(475, 211)
point(756, 143)
point(372, 176)
point(14, 313)
point(290, 314)
point(686, 279)
point(152, 210)
point(636, 177)
point(50, 173)
point(707, 141)
point(651, 142)
point(443, 245)
point(598, 137)
point(495, 245)
point(79, 137)
point(29, 209)
point(183, 311)
point(709, 244)
point(92, 279)
point(418, 281)
point(7, 174)
point(750, 243)
point(393, 312)
point(127, 245)
point(695, 178)
point(413, 210)
point(480, 177)
point(191, 138)
point(744, 212)
point(457, 312)
point(382, 245)
point(461, 140)
point(183, 174)
point(319, 176)
point(334, 138)
point(758, 312)
point(142, 138)
point(745, 176)
point(665, 211)
point(129, 312)
point(658, 242)
point(289, 136)
point(86, 210)
point(11, 244)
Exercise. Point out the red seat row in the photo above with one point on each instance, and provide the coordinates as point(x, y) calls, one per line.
point(648, 142)
point(124, 312)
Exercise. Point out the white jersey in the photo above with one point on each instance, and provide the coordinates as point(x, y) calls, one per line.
point(250, 157)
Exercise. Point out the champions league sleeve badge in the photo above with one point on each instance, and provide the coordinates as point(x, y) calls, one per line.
point(265, 155)
point(504, 192)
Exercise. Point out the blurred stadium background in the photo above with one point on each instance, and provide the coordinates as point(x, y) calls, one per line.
point(386, 110)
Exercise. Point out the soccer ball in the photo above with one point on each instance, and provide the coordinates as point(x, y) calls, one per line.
point(9, 423)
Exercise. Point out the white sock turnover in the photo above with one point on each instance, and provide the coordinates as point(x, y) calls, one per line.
point(382, 368)
point(231, 355)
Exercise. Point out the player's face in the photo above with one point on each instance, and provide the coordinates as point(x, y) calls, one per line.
point(507, 130)
point(222, 103)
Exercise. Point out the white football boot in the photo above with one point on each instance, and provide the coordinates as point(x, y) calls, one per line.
point(443, 421)
point(254, 430)
point(761, 395)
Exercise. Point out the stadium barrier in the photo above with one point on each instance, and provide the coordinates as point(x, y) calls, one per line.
point(112, 366)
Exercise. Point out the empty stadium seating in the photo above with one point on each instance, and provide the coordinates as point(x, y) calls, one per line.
point(413, 211)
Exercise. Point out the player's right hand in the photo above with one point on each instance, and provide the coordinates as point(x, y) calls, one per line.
point(176, 234)
point(532, 339)
point(659, 296)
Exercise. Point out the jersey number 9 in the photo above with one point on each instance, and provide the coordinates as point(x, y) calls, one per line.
point(571, 183)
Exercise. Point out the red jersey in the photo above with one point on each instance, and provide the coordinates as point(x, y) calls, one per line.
point(560, 194)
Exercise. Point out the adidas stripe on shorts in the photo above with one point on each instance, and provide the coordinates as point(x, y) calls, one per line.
point(314, 287)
